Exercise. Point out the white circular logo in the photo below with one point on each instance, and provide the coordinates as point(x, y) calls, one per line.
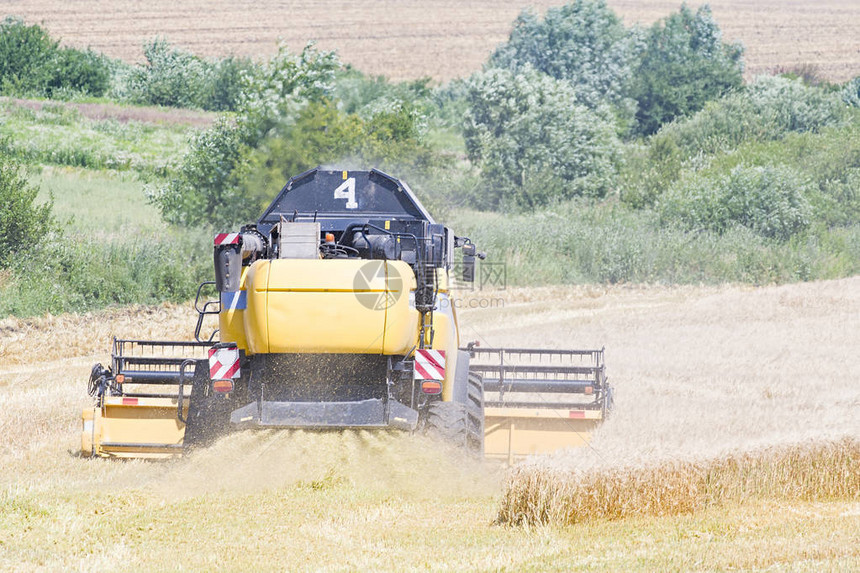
point(367, 281)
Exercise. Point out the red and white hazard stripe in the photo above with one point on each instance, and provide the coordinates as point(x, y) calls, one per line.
point(226, 238)
point(429, 364)
point(223, 363)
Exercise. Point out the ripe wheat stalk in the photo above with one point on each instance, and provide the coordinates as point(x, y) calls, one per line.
point(817, 471)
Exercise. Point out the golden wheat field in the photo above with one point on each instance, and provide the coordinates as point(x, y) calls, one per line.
point(742, 403)
point(442, 39)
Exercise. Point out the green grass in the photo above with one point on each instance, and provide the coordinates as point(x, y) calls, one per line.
point(107, 202)
point(579, 242)
point(77, 273)
point(114, 249)
point(60, 135)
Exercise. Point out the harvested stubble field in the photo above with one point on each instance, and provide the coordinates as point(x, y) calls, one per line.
point(442, 39)
point(699, 372)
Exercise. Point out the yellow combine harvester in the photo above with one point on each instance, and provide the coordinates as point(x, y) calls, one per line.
point(335, 311)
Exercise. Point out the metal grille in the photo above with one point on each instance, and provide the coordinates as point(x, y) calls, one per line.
point(153, 361)
point(540, 378)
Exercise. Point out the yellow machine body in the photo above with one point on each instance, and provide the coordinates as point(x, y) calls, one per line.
point(336, 307)
point(314, 306)
point(513, 433)
point(133, 428)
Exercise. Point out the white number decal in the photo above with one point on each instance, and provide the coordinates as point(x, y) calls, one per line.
point(347, 191)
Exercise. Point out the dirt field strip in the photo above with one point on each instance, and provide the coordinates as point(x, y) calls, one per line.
point(124, 114)
point(442, 39)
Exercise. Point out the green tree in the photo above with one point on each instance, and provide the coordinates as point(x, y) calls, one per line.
point(287, 123)
point(319, 134)
point(770, 201)
point(684, 65)
point(23, 223)
point(210, 185)
point(584, 42)
point(26, 53)
point(171, 77)
point(535, 143)
point(33, 64)
point(322, 134)
point(226, 83)
point(207, 188)
point(81, 71)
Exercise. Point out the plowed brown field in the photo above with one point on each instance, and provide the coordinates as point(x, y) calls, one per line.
point(442, 39)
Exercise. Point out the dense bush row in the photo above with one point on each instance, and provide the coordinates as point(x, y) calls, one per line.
point(31, 63)
point(174, 77)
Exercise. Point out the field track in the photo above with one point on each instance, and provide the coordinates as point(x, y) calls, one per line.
point(698, 371)
point(443, 39)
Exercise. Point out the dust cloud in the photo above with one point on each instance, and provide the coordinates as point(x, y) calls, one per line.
point(389, 462)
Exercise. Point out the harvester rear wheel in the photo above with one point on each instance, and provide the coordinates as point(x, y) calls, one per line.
point(460, 424)
point(475, 414)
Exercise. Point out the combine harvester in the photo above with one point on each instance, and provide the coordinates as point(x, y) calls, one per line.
point(335, 311)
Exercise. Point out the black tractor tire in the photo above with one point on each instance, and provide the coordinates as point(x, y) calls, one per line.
point(208, 415)
point(460, 424)
point(608, 401)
